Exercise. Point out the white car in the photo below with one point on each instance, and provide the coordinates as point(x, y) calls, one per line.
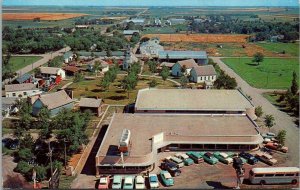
point(153, 181)
point(139, 182)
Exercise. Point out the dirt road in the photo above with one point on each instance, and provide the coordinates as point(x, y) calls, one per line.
point(282, 119)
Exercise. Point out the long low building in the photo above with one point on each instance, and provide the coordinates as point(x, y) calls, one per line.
point(153, 133)
point(168, 55)
point(193, 101)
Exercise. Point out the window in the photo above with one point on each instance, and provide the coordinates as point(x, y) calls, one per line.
point(297, 174)
point(25, 93)
point(269, 175)
point(200, 78)
point(279, 174)
point(289, 174)
point(258, 175)
point(13, 94)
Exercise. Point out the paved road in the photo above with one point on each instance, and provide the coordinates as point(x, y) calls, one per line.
point(282, 119)
point(45, 59)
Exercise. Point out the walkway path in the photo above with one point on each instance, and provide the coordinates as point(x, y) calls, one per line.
point(282, 119)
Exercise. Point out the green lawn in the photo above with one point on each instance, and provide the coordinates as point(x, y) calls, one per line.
point(271, 97)
point(291, 49)
point(272, 73)
point(19, 62)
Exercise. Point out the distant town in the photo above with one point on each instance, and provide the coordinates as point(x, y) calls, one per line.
point(150, 97)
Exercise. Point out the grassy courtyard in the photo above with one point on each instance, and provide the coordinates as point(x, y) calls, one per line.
point(19, 62)
point(291, 49)
point(115, 94)
point(272, 73)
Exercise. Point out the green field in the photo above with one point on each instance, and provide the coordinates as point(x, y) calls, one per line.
point(272, 73)
point(19, 62)
point(291, 49)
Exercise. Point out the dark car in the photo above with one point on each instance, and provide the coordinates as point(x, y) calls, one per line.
point(249, 157)
point(171, 167)
point(14, 144)
point(6, 142)
point(269, 151)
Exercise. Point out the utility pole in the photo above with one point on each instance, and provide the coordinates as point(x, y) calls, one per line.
point(50, 155)
point(65, 153)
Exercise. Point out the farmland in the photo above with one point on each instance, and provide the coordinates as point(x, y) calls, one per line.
point(291, 49)
point(202, 38)
point(272, 73)
point(19, 62)
point(42, 16)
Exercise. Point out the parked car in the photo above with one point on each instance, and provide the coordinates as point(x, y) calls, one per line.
point(196, 157)
point(249, 157)
point(268, 135)
point(166, 178)
point(14, 144)
point(6, 142)
point(176, 160)
point(187, 161)
point(103, 182)
point(223, 157)
point(266, 158)
point(232, 155)
point(276, 146)
point(117, 182)
point(209, 158)
point(170, 167)
point(267, 150)
point(139, 182)
point(153, 181)
point(128, 182)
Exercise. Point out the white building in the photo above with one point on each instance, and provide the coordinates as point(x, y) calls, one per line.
point(52, 71)
point(204, 73)
point(21, 90)
point(151, 47)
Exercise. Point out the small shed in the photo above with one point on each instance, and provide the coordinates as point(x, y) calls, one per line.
point(26, 78)
point(92, 104)
point(71, 70)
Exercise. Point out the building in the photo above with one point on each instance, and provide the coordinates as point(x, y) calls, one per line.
point(47, 72)
point(26, 78)
point(157, 22)
point(130, 32)
point(71, 70)
point(199, 56)
point(104, 66)
point(136, 21)
point(184, 65)
point(54, 102)
point(151, 47)
point(149, 134)
point(68, 57)
point(200, 74)
point(166, 64)
point(193, 101)
point(129, 59)
point(175, 21)
point(21, 90)
point(92, 104)
point(8, 106)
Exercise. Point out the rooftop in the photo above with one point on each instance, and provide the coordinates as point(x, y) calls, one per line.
point(191, 99)
point(49, 70)
point(182, 54)
point(68, 54)
point(177, 128)
point(130, 32)
point(167, 64)
point(72, 69)
point(206, 70)
point(90, 102)
point(100, 53)
point(189, 63)
point(23, 78)
point(56, 99)
point(20, 87)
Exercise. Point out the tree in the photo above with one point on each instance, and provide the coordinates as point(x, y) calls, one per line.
point(78, 77)
point(269, 121)
point(25, 154)
point(258, 111)
point(152, 83)
point(130, 82)
point(23, 167)
point(281, 137)
point(152, 66)
point(44, 123)
point(41, 172)
point(97, 67)
point(165, 73)
point(258, 57)
point(184, 81)
point(294, 86)
point(224, 81)
point(27, 141)
point(105, 84)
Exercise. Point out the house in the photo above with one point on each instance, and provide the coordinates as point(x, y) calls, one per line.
point(157, 22)
point(136, 21)
point(199, 56)
point(68, 57)
point(26, 78)
point(47, 72)
point(184, 65)
point(9, 106)
point(82, 26)
point(71, 70)
point(130, 32)
point(203, 73)
point(166, 64)
point(54, 102)
point(21, 90)
point(151, 47)
point(175, 21)
point(149, 134)
point(193, 101)
point(104, 66)
point(92, 104)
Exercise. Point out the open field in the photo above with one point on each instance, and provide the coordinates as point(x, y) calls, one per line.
point(115, 94)
point(42, 16)
point(19, 62)
point(204, 38)
point(291, 49)
point(272, 73)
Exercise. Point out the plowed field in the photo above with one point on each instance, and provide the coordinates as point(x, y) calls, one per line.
point(42, 16)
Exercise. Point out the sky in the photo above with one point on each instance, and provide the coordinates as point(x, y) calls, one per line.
point(153, 2)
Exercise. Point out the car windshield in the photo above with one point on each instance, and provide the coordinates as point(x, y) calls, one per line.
point(153, 179)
